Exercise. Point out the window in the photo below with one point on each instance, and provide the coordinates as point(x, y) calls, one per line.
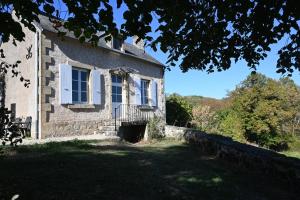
point(79, 85)
point(144, 92)
point(116, 88)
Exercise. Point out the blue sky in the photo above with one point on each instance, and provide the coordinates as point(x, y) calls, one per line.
point(214, 85)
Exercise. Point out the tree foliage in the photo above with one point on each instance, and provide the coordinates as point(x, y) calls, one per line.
point(9, 132)
point(260, 110)
point(230, 124)
point(178, 111)
point(265, 109)
point(202, 34)
point(156, 128)
point(5, 67)
point(214, 104)
point(203, 117)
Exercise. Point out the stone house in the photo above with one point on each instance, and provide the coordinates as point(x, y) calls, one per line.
point(77, 89)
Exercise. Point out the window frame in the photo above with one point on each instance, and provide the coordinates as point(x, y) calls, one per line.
point(116, 84)
point(79, 91)
point(145, 87)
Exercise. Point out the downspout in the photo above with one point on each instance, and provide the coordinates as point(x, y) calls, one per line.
point(163, 94)
point(36, 113)
point(36, 81)
point(39, 88)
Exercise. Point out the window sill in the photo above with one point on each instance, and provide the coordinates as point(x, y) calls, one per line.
point(145, 107)
point(81, 106)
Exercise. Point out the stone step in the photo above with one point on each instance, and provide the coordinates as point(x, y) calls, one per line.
point(110, 133)
point(110, 123)
point(109, 128)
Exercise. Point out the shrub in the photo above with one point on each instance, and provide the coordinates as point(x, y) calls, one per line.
point(231, 126)
point(178, 111)
point(203, 118)
point(156, 128)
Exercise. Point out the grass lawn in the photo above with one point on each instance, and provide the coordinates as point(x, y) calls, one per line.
point(106, 170)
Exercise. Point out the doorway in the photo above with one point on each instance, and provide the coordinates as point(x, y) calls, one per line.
point(116, 94)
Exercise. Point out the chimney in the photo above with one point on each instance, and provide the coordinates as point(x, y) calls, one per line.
point(140, 44)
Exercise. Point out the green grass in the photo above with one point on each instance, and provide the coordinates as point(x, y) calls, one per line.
point(105, 170)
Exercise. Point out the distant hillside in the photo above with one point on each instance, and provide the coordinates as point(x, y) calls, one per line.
point(215, 104)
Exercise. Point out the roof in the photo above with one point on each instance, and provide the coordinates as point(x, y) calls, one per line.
point(129, 49)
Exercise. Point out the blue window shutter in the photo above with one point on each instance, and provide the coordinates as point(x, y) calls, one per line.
point(137, 85)
point(96, 87)
point(154, 93)
point(65, 82)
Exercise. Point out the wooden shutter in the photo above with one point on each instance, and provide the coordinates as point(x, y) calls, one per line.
point(96, 87)
point(65, 82)
point(137, 85)
point(154, 93)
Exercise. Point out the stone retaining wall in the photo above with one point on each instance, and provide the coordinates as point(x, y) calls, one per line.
point(243, 155)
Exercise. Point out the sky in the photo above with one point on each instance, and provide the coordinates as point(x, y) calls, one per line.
point(200, 83)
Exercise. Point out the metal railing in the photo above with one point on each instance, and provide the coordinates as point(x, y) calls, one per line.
point(133, 114)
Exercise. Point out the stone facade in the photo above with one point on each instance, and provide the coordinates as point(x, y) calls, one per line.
point(75, 128)
point(57, 119)
point(84, 56)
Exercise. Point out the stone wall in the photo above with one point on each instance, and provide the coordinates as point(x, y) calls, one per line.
point(242, 155)
point(175, 131)
point(77, 128)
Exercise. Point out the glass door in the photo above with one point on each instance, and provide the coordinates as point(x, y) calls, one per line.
point(116, 94)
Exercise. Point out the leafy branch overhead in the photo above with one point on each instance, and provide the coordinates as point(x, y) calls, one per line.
point(4, 67)
point(200, 34)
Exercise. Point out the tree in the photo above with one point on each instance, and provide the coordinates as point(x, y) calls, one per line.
point(178, 111)
point(266, 108)
point(293, 101)
point(203, 117)
point(230, 124)
point(203, 34)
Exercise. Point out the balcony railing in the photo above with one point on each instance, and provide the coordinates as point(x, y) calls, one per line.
point(131, 114)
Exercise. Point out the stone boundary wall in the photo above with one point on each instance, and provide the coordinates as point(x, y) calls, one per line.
point(242, 155)
point(175, 131)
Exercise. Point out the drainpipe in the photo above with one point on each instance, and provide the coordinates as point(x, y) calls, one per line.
point(36, 81)
point(35, 118)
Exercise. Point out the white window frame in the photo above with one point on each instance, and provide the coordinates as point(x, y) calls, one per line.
point(145, 84)
point(79, 86)
point(116, 84)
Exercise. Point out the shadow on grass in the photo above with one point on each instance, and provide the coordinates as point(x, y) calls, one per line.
point(93, 170)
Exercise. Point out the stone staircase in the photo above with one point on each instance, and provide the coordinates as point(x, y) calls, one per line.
point(109, 130)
